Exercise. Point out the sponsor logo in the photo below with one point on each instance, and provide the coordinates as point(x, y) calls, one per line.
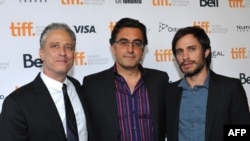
point(243, 28)
point(84, 29)
point(163, 55)
point(209, 3)
point(244, 79)
point(216, 53)
point(128, 1)
point(29, 62)
point(163, 26)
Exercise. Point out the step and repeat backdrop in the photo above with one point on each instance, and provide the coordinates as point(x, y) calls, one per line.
point(227, 22)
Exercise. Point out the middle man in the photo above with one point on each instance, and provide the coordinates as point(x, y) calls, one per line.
point(126, 102)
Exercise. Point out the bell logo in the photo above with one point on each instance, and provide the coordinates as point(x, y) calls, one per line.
point(244, 79)
point(21, 29)
point(209, 3)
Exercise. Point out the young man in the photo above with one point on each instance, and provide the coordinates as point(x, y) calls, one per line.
point(126, 101)
point(38, 110)
point(200, 104)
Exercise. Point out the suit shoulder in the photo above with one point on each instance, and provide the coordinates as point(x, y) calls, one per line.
point(225, 79)
point(175, 83)
point(99, 74)
point(155, 71)
point(21, 92)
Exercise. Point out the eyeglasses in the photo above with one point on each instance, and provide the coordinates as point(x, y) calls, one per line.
point(126, 43)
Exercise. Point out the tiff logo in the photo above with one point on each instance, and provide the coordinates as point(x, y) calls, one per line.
point(209, 3)
point(111, 26)
point(161, 3)
point(71, 2)
point(205, 25)
point(164, 55)
point(21, 29)
point(80, 59)
point(236, 3)
point(239, 53)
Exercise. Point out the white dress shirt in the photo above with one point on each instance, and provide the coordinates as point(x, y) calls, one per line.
point(55, 89)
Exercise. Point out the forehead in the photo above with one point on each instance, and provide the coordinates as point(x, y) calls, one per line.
point(59, 35)
point(186, 41)
point(129, 33)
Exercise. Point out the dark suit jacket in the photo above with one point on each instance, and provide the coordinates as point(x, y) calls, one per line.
point(99, 93)
point(226, 104)
point(29, 114)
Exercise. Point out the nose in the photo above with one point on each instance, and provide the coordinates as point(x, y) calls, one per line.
point(185, 55)
point(130, 47)
point(62, 50)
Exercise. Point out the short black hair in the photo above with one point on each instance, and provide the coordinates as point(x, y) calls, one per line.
point(199, 34)
point(128, 22)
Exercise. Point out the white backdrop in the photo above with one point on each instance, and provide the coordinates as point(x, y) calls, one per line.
point(227, 23)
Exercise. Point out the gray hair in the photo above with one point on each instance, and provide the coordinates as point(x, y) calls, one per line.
point(56, 26)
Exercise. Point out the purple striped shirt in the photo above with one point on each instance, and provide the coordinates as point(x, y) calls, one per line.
point(133, 111)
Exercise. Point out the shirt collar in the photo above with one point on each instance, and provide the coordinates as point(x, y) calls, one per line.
point(54, 84)
point(142, 70)
point(185, 85)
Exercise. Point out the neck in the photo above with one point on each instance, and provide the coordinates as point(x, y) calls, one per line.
point(197, 79)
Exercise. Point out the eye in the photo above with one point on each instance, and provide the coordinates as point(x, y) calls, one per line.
point(54, 45)
point(179, 51)
point(137, 44)
point(191, 49)
point(69, 47)
point(124, 43)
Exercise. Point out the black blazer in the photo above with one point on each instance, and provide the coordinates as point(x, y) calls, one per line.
point(99, 93)
point(226, 104)
point(29, 114)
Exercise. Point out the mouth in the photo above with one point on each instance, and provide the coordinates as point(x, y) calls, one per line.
point(187, 64)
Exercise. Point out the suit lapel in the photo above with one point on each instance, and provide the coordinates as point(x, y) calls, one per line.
point(212, 103)
point(175, 104)
point(48, 107)
point(110, 98)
